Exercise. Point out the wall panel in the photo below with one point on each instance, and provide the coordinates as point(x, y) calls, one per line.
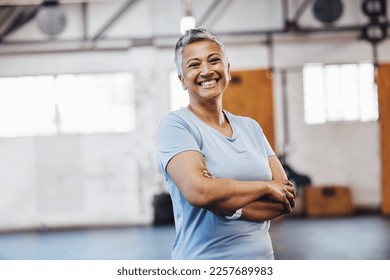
point(250, 94)
point(384, 123)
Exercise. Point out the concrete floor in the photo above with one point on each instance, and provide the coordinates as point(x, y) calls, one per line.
point(355, 238)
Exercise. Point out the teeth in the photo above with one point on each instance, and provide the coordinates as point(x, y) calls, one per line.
point(208, 84)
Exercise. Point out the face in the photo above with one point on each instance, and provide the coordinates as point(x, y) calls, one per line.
point(206, 74)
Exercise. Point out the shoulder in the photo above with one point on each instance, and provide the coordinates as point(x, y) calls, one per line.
point(179, 121)
point(175, 117)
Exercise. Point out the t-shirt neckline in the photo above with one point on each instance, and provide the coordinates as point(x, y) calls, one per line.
point(226, 113)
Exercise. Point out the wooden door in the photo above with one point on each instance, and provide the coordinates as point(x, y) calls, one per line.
point(384, 125)
point(250, 94)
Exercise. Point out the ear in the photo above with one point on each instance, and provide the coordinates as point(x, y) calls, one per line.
point(230, 77)
point(182, 82)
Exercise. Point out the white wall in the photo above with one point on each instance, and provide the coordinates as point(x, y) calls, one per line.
point(344, 153)
point(85, 179)
point(111, 178)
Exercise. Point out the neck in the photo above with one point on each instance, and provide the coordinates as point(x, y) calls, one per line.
point(211, 114)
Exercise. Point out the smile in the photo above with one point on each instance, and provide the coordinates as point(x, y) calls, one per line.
point(209, 84)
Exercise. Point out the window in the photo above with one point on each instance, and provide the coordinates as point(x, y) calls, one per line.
point(179, 98)
point(64, 104)
point(345, 92)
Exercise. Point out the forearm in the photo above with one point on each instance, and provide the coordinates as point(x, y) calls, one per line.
point(257, 211)
point(263, 210)
point(269, 206)
point(189, 172)
point(226, 195)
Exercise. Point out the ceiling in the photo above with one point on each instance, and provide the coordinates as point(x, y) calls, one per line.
point(39, 2)
point(16, 13)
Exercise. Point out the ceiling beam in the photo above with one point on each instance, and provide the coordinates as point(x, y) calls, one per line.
point(220, 12)
point(7, 15)
point(84, 12)
point(19, 17)
point(114, 18)
point(214, 5)
point(39, 2)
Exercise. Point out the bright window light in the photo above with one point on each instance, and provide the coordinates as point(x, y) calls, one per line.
point(65, 104)
point(186, 23)
point(179, 97)
point(345, 92)
point(94, 103)
point(27, 106)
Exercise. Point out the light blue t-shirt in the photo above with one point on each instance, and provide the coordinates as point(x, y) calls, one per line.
point(200, 234)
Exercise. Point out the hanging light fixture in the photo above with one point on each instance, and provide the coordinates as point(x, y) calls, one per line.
point(187, 21)
point(50, 18)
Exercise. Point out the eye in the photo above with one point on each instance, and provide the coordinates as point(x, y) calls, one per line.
point(215, 60)
point(194, 64)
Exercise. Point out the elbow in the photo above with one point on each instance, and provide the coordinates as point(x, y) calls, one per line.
point(200, 199)
point(199, 195)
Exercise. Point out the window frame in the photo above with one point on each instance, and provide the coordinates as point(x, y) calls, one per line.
point(327, 119)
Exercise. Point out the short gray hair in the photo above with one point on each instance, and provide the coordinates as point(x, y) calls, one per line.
point(192, 36)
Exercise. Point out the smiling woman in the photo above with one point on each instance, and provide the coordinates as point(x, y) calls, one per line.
point(225, 181)
point(206, 75)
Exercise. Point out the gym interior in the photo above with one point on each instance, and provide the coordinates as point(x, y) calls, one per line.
point(85, 83)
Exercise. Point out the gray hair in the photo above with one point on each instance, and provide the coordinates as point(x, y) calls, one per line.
point(192, 36)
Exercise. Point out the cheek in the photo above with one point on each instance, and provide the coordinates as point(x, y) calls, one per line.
point(223, 69)
point(189, 77)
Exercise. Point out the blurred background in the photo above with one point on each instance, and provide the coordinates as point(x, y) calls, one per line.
point(84, 84)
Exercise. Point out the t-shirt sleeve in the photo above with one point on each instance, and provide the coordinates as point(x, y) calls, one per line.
point(267, 145)
point(175, 136)
point(268, 149)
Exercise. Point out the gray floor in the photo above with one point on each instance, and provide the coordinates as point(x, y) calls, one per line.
point(360, 237)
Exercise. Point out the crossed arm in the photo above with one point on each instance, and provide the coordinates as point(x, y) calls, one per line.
point(260, 200)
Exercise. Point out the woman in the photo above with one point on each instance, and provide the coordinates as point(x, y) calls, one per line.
point(224, 179)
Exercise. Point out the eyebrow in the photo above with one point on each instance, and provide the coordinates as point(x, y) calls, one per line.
point(188, 61)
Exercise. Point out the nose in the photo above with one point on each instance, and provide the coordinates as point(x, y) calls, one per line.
point(206, 70)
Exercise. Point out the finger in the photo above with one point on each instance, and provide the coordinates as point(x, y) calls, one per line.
point(287, 206)
point(207, 174)
point(291, 190)
point(287, 182)
point(291, 199)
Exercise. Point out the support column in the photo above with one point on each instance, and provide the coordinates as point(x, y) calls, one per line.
point(384, 124)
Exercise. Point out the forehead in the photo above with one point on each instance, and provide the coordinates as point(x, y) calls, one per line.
point(201, 49)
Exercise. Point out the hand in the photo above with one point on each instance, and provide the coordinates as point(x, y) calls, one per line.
point(207, 174)
point(283, 192)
